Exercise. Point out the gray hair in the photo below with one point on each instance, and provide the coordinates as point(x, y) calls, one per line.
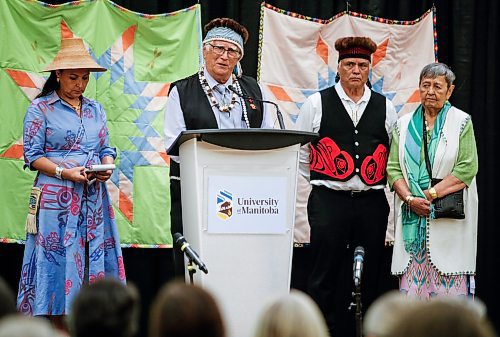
point(434, 70)
point(293, 314)
point(23, 326)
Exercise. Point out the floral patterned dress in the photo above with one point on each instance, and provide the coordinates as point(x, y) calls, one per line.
point(71, 215)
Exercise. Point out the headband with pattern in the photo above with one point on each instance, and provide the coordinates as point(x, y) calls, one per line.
point(225, 34)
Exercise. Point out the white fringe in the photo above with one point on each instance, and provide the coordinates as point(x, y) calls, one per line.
point(30, 225)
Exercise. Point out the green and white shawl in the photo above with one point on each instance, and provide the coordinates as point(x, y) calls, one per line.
point(414, 227)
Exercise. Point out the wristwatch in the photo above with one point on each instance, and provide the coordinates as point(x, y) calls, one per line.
point(59, 171)
point(433, 193)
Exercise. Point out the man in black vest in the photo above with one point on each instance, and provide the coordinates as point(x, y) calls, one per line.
point(346, 166)
point(204, 101)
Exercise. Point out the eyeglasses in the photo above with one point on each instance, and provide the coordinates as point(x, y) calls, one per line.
point(219, 50)
point(363, 66)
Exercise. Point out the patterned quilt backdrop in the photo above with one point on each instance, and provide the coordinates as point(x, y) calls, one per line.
point(297, 56)
point(143, 54)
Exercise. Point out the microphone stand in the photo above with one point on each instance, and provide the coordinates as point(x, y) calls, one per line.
point(357, 303)
point(248, 98)
point(191, 269)
point(359, 314)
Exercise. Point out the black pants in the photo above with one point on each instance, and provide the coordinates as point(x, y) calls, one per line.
point(339, 222)
point(301, 267)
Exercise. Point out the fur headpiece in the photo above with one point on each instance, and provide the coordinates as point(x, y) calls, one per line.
point(355, 47)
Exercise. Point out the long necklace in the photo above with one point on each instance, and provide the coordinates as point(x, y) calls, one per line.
point(243, 105)
point(208, 91)
point(225, 108)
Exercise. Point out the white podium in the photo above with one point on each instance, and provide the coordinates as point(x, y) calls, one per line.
point(238, 192)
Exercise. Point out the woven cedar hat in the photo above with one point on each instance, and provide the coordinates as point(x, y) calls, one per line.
point(73, 55)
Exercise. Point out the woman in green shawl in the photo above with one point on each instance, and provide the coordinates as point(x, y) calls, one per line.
point(434, 257)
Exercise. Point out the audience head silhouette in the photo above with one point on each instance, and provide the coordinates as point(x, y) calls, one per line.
point(385, 312)
point(105, 308)
point(443, 318)
point(183, 310)
point(23, 326)
point(293, 315)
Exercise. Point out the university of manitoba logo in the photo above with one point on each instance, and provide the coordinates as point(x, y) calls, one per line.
point(224, 204)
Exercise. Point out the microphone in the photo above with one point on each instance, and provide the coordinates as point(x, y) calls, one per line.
point(357, 268)
point(181, 243)
point(278, 112)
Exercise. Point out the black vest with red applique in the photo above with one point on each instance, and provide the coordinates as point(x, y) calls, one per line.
point(344, 150)
point(196, 108)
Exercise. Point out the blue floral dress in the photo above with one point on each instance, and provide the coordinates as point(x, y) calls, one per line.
point(71, 215)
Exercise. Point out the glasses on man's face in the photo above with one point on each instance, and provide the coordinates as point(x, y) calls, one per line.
point(231, 52)
point(349, 65)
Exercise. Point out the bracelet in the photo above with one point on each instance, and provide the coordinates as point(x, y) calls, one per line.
point(59, 171)
point(433, 193)
point(409, 198)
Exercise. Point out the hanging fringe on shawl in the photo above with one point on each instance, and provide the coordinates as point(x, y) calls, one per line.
point(30, 225)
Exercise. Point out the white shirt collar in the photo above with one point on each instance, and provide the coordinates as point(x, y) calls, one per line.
point(341, 92)
point(212, 82)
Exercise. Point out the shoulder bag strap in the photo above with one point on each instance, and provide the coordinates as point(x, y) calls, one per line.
point(426, 150)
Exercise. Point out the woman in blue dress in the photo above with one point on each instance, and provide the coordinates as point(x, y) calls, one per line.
point(75, 239)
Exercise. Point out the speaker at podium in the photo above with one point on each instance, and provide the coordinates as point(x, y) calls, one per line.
point(238, 190)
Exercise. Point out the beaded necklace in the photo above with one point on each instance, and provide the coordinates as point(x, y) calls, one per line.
point(208, 91)
point(223, 108)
